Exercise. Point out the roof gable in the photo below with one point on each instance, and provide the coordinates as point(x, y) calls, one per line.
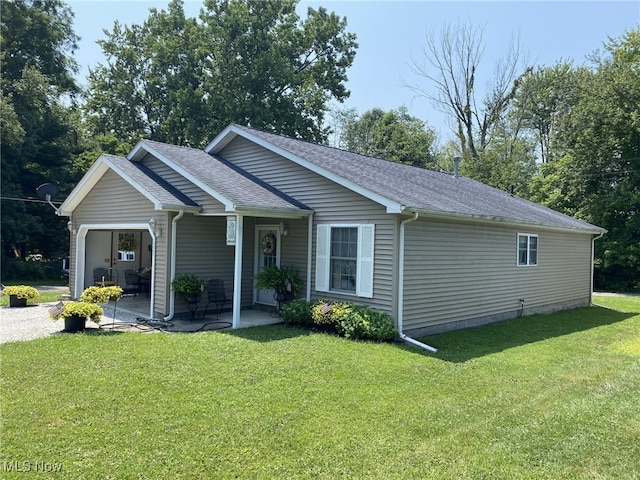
point(159, 192)
point(231, 186)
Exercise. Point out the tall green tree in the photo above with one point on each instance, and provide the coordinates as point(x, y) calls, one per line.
point(36, 44)
point(254, 62)
point(394, 135)
point(152, 83)
point(596, 174)
point(543, 103)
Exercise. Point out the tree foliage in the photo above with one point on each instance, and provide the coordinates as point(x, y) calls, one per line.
point(392, 135)
point(596, 173)
point(178, 80)
point(37, 138)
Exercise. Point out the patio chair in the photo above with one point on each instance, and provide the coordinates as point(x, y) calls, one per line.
point(216, 295)
point(105, 277)
point(144, 280)
point(132, 281)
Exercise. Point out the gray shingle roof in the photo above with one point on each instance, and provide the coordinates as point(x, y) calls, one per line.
point(235, 184)
point(424, 190)
point(153, 184)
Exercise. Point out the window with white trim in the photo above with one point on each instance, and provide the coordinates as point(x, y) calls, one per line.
point(344, 259)
point(527, 249)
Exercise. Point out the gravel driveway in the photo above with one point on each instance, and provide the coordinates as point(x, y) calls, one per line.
point(33, 321)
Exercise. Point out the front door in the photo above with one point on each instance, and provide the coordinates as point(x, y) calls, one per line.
point(125, 253)
point(268, 253)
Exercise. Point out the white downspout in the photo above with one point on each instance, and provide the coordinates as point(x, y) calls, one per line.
point(593, 254)
point(309, 253)
point(172, 273)
point(404, 337)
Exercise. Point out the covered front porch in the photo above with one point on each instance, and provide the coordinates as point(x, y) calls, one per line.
point(138, 307)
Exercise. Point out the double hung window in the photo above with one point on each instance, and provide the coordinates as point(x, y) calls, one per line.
point(344, 259)
point(527, 249)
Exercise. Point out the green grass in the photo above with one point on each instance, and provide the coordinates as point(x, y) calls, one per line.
point(544, 397)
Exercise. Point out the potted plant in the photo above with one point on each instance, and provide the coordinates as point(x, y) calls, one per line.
point(284, 281)
point(97, 294)
point(18, 294)
point(75, 314)
point(190, 286)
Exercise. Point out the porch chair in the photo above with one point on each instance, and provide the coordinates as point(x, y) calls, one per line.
point(216, 295)
point(132, 282)
point(105, 277)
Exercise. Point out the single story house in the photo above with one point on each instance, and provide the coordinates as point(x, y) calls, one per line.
point(434, 250)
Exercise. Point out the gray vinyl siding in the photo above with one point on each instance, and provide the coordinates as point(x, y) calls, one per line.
point(455, 273)
point(209, 204)
point(331, 203)
point(202, 250)
point(113, 200)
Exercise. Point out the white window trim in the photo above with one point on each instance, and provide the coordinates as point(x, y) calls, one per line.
point(528, 264)
point(364, 262)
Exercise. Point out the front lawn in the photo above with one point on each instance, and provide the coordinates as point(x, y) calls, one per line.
point(543, 397)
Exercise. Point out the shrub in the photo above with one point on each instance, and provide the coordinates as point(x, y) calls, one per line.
point(21, 291)
point(330, 313)
point(297, 312)
point(364, 323)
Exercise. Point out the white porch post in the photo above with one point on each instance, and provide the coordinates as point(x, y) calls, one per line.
point(237, 274)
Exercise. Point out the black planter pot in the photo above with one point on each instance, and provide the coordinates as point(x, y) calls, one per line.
point(74, 323)
point(15, 301)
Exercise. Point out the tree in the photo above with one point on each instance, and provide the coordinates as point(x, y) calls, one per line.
point(392, 135)
point(151, 85)
point(451, 63)
point(605, 140)
point(38, 85)
point(596, 175)
point(253, 62)
point(543, 103)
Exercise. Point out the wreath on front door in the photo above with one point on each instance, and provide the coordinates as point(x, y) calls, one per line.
point(269, 244)
point(126, 242)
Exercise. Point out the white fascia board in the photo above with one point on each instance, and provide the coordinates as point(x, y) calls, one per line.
point(142, 146)
point(222, 139)
point(273, 212)
point(138, 152)
point(232, 131)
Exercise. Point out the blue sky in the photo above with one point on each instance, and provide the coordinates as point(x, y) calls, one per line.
point(391, 32)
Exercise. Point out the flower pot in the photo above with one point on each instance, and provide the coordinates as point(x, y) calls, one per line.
point(74, 323)
point(15, 301)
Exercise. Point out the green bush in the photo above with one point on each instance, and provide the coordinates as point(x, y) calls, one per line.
point(330, 313)
point(353, 321)
point(364, 323)
point(297, 312)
